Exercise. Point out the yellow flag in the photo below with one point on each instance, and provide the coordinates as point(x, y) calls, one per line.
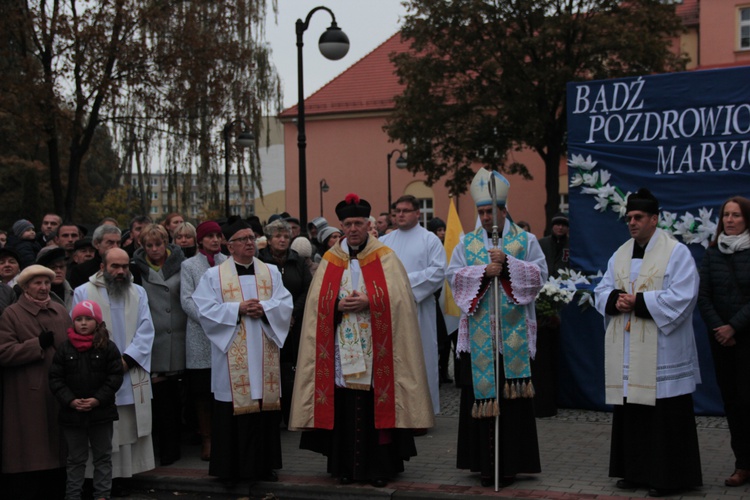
point(453, 233)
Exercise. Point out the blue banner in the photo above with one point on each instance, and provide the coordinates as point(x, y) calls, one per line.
point(686, 137)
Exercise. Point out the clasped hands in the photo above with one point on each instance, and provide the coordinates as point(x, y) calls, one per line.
point(84, 404)
point(497, 261)
point(724, 335)
point(625, 302)
point(251, 308)
point(354, 302)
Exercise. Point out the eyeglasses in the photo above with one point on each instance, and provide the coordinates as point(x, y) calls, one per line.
point(404, 210)
point(243, 240)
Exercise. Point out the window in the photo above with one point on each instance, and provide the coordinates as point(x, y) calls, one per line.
point(425, 210)
point(744, 32)
point(154, 196)
point(154, 210)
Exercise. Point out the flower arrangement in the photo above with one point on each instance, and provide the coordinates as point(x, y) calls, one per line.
point(552, 299)
point(692, 229)
point(561, 290)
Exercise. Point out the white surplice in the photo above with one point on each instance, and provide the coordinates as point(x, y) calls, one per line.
point(219, 321)
point(671, 308)
point(132, 453)
point(423, 256)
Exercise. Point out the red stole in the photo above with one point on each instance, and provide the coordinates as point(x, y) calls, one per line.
point(383, 382)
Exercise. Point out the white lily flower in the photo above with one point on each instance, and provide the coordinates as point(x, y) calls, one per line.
point(576, 180)
point(601, 204)
point(578, 161)
point(604, 176)
point(591, 179)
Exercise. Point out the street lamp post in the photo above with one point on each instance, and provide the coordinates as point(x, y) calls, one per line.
point(333, 44)
point(400, 164)
point(245, 139)
point(324, 187)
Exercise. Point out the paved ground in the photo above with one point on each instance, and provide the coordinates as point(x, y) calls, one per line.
point(574, 451)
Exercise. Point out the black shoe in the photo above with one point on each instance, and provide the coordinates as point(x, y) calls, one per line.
point(270, 477)
point(625, 484)
point(345, 480)
point(507, 480)
point(379, 483)
point(487, 481)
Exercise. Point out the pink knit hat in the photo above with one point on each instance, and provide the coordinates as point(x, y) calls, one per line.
point(88, 308)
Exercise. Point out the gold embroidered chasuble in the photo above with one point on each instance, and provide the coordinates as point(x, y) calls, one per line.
point(315, 377)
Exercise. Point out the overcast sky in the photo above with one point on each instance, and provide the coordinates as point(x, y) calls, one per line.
point(367, 23)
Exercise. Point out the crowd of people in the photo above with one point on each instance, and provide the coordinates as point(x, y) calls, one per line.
point(116, 349)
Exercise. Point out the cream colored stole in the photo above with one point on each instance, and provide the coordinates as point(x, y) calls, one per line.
point(139, 378)
point(239, 373)
point(643, 345)
point(354, 337)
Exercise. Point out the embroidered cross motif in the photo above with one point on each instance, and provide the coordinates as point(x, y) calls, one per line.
point(266, 288)
point(143, 382)
point(242, 385)
point(231, 290)
point(272, 382)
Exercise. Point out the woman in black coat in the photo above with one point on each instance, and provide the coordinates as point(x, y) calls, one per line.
point(724, 303)
point(295, 274)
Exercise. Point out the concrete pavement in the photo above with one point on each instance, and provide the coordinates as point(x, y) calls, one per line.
point(574, 449)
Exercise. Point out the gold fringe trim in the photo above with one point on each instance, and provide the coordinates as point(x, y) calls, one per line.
point(487, 408)
point(519, 389)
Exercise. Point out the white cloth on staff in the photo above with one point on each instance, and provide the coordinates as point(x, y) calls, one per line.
point(423, 256)
point(219, 321)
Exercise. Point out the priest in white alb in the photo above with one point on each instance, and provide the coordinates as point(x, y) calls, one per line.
point(245, 311)
point(126, 313)
point(423, 256)
point(647, 298)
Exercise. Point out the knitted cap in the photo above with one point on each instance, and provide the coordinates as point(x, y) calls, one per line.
point(21, 226)
point(206, 228)
point(302, 246)
point(87, 308)
point(326, 233)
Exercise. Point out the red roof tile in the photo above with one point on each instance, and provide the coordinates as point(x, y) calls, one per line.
point(689, 11)
point(370, 84)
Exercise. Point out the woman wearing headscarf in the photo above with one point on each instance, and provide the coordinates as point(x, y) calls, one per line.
point(33, 458)
point(198, 347)
point(724, 304)
point(296, 277)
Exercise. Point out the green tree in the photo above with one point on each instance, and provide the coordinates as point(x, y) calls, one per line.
point(485, 77)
